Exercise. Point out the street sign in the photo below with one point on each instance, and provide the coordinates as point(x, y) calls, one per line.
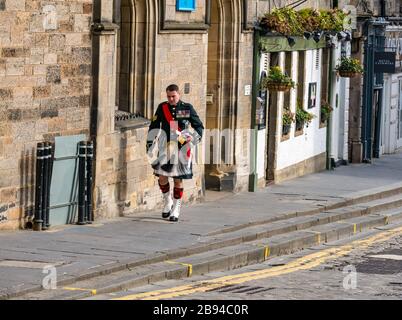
point(185, 5)
point(384, 62)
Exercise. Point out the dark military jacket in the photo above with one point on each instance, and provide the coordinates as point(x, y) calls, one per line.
point(184, 114)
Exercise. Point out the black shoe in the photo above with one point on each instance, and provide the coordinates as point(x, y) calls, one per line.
point(165, 215)
point(173, 219)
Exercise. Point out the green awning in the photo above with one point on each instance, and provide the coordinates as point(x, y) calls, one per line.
point(280, 44)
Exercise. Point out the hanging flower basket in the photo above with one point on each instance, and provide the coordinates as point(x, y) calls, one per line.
point(303, 118)
point(277, 81)
point(348, 74)
point(278, 87)
point(349, 67)
point(326, 110)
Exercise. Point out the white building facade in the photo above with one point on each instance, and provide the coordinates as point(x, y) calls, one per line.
point(391, 133)
point(315, 146)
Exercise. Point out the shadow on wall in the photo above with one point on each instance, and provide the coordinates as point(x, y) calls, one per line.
point(26, 192)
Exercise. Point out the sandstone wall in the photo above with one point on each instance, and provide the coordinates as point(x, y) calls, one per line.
point(45, 84)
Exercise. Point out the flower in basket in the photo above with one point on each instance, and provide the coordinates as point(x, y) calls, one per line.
point(332, 20)
point(326, 109)
point(282, 20)
point(287, 21)
point(349, 67)
point(287, 118)
point(302, 116)
point(309, 19)
point(277, 80)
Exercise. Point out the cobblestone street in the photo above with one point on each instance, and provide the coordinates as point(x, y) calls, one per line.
point(378, 277)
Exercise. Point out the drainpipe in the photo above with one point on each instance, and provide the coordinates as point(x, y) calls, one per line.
point(373, 32)
point(383, 8)
point(380, 86)
point(253, 177)
point(367, 93)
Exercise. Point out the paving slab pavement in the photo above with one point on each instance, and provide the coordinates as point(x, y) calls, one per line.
point(79, 250)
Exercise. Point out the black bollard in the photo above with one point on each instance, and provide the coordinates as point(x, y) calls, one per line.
point(38, 219)
point(47, 172)
point(81, 182)
point(90, 153)
point(50, 170)
point(45, 184)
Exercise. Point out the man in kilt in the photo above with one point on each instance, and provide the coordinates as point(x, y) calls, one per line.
point(169, 145)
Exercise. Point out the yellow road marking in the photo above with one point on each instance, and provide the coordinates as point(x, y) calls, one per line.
point(267, 252)
point(303, 263)
point(189, 267)
point(93, 291)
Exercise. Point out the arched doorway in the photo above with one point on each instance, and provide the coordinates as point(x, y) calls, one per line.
point(222, 91)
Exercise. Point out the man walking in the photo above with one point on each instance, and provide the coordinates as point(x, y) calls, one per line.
point(169, 131)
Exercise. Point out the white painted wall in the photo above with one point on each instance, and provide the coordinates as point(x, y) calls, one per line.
point(385, 128)
point(313, 141)
point(399, 117)
point(345, 106)
point(261, 152)
point(336, 121)
point(340, 104)
point(389, 132)
point(392, 96)
point(262, 134)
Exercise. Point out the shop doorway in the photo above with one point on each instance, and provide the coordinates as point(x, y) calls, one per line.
point(221, 95)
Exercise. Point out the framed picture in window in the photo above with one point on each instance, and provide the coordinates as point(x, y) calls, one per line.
point(312, 95)
point(185, 5)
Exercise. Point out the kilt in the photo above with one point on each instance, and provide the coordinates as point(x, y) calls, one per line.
point(173, 162)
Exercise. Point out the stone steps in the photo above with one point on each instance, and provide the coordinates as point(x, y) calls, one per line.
point(241, 248)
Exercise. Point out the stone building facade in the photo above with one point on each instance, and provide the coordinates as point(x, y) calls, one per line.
point(367, 92)
point(68, 67)
point(207, 52)
point(45, 88)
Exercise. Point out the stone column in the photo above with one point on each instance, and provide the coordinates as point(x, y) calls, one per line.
point(104, 56)
point(103, 100)
point(355, 110)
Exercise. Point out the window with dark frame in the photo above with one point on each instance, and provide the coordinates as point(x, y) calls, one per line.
point(324, 83)
point(288, 71)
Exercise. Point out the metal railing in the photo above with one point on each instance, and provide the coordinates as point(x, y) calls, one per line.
point(44, 167)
